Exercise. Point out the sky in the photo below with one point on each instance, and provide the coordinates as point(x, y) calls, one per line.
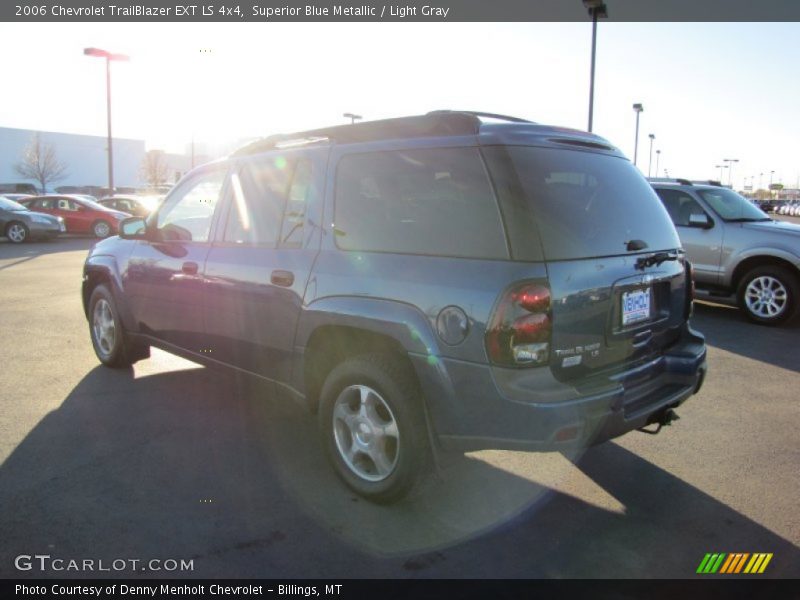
point(710, 91)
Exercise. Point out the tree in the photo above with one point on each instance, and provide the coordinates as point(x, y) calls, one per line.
point(39, 163)
point(154, 168)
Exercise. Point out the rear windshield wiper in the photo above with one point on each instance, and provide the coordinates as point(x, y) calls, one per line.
point(655, 259)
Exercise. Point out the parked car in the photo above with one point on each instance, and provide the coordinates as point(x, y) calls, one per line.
point(422, 283)
point(19, 224)
point(138, 206)
point(736, 249)
point(79, 214)
point(17, 197)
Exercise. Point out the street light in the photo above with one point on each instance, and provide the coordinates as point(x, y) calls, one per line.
point(730, 162)
point(598, 10)
point(658, 155)
point(352, 117)
point(652, 136)
point(638, 108)
point(97, 52)
point(720, 167)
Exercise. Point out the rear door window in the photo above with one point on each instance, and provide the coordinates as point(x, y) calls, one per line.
point(258, 191)
point(425, 201)
point(584, 204)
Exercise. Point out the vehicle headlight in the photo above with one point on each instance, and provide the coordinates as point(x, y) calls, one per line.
point(41, 219)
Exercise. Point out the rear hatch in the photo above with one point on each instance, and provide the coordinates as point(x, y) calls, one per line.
point(615, 269)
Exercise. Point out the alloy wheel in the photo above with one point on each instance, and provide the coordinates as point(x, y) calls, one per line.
point(366, 433)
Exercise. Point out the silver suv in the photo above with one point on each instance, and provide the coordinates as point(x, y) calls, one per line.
point(738, 253)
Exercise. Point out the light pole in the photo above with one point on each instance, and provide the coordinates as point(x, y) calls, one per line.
point(352, 117)
point(652, 136)
point(97, 52)
point(771, 173)
point(720, 167)
point(658, 155)
point(597, 10)
point(638, 108)
point(730, 162)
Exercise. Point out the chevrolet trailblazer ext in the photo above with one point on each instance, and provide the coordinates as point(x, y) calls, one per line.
point(452, 280)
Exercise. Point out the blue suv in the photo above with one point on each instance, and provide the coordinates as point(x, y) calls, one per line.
point(454, 280)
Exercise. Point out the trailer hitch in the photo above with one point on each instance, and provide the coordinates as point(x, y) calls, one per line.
point(665, 418)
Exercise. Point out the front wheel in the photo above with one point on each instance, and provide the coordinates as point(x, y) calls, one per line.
point(110, 343)
point(101, 229)
point(373, 427)
point(769, 295)
point(17, 232)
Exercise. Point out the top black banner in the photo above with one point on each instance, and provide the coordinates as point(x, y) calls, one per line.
point(398, 11)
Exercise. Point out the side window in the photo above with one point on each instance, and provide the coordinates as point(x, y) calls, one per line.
point(294, 217)
point(424, 201)
point(188, 215)
point(680, 206)
point(65, 204)
point(258, 193)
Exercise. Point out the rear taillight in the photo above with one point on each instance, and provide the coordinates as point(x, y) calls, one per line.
point(518, 334)
point(689, 308)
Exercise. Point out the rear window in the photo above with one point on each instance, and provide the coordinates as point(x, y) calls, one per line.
point(584, 204)
point(425, 201)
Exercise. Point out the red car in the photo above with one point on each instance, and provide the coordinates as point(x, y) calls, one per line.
point(80, 214)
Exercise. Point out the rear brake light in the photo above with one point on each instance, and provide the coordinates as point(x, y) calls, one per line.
point(518, 334)
point(690, 291)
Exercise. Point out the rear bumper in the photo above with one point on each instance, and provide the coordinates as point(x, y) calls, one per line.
point(469, 410)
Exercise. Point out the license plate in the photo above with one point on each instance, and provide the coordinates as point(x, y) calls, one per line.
point(635, 306)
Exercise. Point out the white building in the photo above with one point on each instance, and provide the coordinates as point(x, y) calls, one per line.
point(84, 155)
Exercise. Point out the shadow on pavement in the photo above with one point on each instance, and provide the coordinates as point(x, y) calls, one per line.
point(204, 465)
point(727, 328)
point(30, 250)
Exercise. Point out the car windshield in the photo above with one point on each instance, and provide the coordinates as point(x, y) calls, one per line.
point(731, 206)
point(7, 204)
point(92, 204)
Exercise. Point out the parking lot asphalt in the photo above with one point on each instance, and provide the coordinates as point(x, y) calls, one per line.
point(170, 460)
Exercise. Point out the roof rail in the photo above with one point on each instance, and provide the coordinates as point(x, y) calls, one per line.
point(678, 180)
point(485, 115)
point(430, 125)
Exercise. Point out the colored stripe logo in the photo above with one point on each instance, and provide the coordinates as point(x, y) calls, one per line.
point(734, 563)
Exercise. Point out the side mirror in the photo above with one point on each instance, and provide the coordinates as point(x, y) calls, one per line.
point(133, 228)
point(700, 220)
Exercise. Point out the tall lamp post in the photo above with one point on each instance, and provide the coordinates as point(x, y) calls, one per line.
point(352, 117)
point(638, 108)
point(720, 167)
point(597, 10)
point(658, 155)
point(109, 56)
point(652, 136)
point(730, 162)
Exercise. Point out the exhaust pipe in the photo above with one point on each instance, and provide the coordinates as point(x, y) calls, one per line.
point(662, 419)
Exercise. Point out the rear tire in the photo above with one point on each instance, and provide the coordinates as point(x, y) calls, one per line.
point(769, 295)
point(17, 232)
point(373, 427)
point(110, 342)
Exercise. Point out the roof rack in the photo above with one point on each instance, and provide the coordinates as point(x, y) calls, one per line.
point(484, 115)
point(677, 180)
point(433, 124)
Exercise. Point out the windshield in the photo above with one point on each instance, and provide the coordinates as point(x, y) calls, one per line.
point(731, 206)
point(7, 204)
point(92, 204)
